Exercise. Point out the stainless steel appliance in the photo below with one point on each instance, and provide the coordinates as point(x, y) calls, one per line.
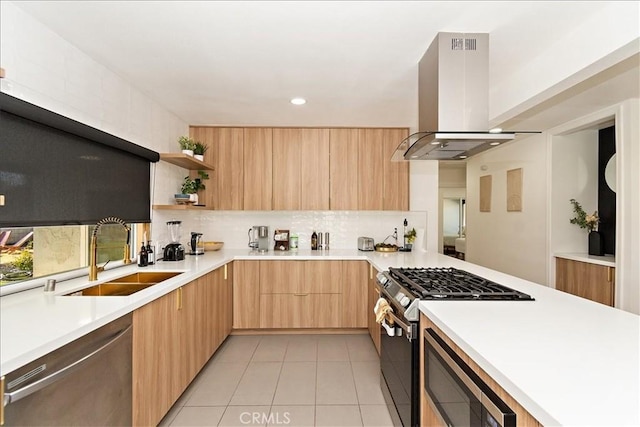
point(456, 394)
point(86, 382)
point(403, 288)
point(174, 251)
point(259, 238)
point(365, 244)
point(197, 245)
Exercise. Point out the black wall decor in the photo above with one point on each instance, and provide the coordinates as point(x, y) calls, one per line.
point(606, 196)
point(57, 171)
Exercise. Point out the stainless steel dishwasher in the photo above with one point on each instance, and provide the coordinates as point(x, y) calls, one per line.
point(87, 382)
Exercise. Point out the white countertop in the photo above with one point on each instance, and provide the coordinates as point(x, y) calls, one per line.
point(606, 260)
point(567, 360)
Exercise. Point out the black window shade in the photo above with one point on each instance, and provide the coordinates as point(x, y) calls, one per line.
point(57, 171)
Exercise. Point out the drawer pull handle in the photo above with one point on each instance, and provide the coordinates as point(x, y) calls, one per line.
point(300, 295)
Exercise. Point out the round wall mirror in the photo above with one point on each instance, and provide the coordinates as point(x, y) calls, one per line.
point(610, 173)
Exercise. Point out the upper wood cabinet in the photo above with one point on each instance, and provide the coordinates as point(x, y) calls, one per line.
point(396, 174)
point(343, 167)
point(300, 169)
point(382, 184)
point(258, 169)
point(303, 169)
point(225, 187)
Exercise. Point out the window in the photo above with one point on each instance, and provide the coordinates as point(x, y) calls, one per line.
point(28, 253)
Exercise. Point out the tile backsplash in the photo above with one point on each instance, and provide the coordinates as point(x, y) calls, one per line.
point(231, 227)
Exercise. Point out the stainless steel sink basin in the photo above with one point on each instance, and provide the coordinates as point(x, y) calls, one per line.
point(125, 285)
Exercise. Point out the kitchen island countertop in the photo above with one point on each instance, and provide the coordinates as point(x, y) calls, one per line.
point(566, 360)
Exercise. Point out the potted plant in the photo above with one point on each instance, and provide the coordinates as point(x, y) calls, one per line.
point(187, 145)
point(190, 188)
point(589, 222)
point(199, 150)
point(409, 238)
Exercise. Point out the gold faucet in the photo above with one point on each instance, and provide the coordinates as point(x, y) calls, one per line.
point(93, 255)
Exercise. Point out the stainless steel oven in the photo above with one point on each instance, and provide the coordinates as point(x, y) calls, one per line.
point(456, 394)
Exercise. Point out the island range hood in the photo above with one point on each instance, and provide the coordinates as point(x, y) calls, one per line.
point(453, 101)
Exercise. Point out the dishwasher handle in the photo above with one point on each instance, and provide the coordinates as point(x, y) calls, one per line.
point(23, 392)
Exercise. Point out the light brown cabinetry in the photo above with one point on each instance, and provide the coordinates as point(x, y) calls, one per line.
point(427, 414)
point(246, 294)
point(592, 281)
point(300, 169)
point(173, 337)
point(343, 166)
point(354, 291)
point(382, 184)
point(372, 298)
point(299, 294)
point(225, 187)
point(257, 169)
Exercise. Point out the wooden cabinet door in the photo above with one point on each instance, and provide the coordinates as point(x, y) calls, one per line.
point(287, 151)
point(191, 331)
point(370, 169)
point(286, 311)
point(282, 277)
point(322, 277)
point(374, 295)
point(229, 173)
point(246, 294)
point(225, 186)
point(326, 311)
point(396, 174)
point(343, 166)
point(354, 294)
point(586, 280)
point(314, 169)
point(154, 357)
point(258, 169)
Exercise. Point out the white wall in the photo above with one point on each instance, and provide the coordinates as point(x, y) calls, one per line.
point(511, 242)
point(574, 174)
point(344, 226)
point(611, 34)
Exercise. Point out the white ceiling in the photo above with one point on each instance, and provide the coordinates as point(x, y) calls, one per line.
point(239, 63)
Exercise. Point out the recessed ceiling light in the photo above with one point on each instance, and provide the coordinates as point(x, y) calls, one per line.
point(494, 143)
point(495, 130)
point(463, 157)
point(298, 101)
point(435, 143)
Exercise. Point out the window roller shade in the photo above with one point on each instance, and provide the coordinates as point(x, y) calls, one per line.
point(56, 171)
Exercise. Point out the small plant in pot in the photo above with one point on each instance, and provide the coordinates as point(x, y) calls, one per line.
point(199, 150)
point(409, 238)
point(187, 145)
point(190, 187)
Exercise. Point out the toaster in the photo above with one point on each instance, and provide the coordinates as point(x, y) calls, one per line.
point(365, 244)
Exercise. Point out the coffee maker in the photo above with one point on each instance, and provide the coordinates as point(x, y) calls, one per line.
point(259, 238)
point(174, 251)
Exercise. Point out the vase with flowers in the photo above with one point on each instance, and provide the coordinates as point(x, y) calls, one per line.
point(589, 222)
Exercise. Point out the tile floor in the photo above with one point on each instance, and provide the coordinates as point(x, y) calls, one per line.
point(286, 380)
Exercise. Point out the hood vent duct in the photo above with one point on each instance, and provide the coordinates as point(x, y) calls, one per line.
point(453, 97)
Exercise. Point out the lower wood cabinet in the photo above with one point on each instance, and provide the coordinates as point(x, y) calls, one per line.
point(373, 294)
point(300, 294)
point(592, 281)
point(173, 337)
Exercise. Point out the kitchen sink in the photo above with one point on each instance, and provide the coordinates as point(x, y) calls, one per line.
point(125, 285)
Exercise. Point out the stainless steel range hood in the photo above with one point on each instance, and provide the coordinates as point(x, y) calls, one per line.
point(453, 96)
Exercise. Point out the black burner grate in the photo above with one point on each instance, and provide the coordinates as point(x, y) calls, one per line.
point(451, 283)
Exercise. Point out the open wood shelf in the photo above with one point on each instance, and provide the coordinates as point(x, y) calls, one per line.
point(184, 161)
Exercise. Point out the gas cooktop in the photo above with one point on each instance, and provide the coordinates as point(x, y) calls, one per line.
point(452, 284)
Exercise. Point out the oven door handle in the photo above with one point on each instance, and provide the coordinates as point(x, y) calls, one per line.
point(407, 328)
